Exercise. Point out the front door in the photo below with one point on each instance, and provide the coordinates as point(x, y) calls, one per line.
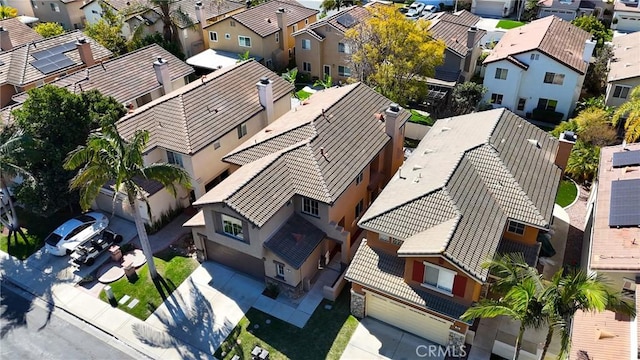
point(326, 70)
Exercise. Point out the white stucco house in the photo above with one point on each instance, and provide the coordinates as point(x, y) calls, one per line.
point(493, 8)
point(626, 16)
point(538, 68)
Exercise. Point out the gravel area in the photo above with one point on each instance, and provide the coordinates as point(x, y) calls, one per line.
point(577, 213)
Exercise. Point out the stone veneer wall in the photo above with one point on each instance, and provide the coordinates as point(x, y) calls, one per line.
point(292, 292)
point(357, 304)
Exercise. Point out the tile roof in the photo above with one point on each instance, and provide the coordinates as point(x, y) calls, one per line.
point(551, 35)
point(194, 116)
point(125, 78)
point(600, 335)
point(19, 33)
point(295, 241)
point(149, 186)
point(530, 252)
point(626, 6)
point(466, 178)
point(357, 13)
point(462, 17)
point(211, 9)
point(454, 34)
point(17, 68)
point(287, 157)
point(613, 249)
point(561, 5)
point(625, 63)
point(262, 19)
point(381, 271)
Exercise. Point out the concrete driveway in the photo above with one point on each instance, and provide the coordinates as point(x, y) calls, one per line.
point(203, 310)
point(376, 340)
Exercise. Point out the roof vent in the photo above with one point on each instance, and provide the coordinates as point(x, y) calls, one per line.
point(534, 142)
point(446, 128)
point(264, 80)
point(379, 117)
point(269, 20)
point(428, 151)
point(416, 167)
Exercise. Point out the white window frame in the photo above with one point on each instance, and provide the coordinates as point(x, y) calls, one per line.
point(310, 207)
point(515, 227)
point(556, 79)
point(308, 44)
point(620, 89)
point(498, 98)
point(343, 48)
point(245, 38)
point(501, 74)
point(306, 66)
point(234, 224)
point(445, 277)
point(344, 73)
point(213, 36)
point(242, 130)
point(279, 269)
point(175, 158)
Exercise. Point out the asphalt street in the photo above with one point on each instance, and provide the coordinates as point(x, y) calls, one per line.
point(28, 330)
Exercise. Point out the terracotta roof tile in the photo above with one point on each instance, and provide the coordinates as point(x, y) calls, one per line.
point(262, 19)
point(626, 57)
point(19, 33)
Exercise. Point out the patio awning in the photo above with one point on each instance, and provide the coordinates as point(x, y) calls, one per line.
point(215, 59)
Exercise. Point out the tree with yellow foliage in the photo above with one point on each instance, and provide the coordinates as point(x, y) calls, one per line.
point(7, 12)
point(393, 54)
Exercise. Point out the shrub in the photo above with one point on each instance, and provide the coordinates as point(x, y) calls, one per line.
point(165, 218)
point(548, 116)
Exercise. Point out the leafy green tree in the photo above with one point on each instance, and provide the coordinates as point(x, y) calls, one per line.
point(325, 83)
point(328, 5)
point(171, 15)
point(595, 80)
point(583, 161)
point(56, 120)
point(593, 102)
point(290, 76)
point(243, 56)
point(591, 24)
point(108, 30)
point(466, 97)
point(107, 156)
point(629, 115)
point(393, 54)
point(49, 29)
point(156, 38)
point(7, 12)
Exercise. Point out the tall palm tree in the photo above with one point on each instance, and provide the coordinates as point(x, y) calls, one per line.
point(9, 170)
point(171, 14)
point(567, 293)
point(520, 303)
point(107, 156)
point(583, 161)
point(631, 112)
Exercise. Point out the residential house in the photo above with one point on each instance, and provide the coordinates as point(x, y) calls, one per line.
point(322, 47)
point(39, 62)
point(191, 38)
point(196, 125)
point(14, 33)
point(493, 8)
point(624, 68)
point(570, 9)
point(462, 40)
point(151, 72)
point(626, 16)
point(538, 67)
point(612, 248)
point(64, 12)
point(264, 30)
point(476, 185)
point(303, 183)
point(24, 7)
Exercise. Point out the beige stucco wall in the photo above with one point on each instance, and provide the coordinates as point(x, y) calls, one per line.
point(344, 206)
point(529, 237)
point(293, 276)
point(69, 15)
point(323, 53)
point(23, 6)
point(610, 100)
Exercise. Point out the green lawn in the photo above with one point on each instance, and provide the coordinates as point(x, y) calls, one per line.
point(36, 229)
point(567, 192)
point(509, 24)
point(324, 337)
point(173, 270)
point(303, 95)
point(418, 118)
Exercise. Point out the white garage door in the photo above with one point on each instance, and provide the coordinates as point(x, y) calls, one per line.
point(628, 23)
point(493, 8)
point(407, 318)
point(566, 15)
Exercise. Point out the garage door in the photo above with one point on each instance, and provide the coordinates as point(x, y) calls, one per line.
point(407, 318)
point(235, 259)
point(493, 8)
point(566, 15)
point(628, 23)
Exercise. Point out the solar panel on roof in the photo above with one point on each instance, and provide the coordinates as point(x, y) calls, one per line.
point(52, 63)
point(624, 209)
point(346, 20)
point(41, 54)
point(59, 49)
point(626, 158)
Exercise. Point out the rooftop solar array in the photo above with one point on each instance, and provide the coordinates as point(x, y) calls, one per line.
point(53, 63)
point(626, 158)
point(346, 20)
point(54, 51)
point(625, 203)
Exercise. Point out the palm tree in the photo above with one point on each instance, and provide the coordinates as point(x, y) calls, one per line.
point(107, 156)
point(9, 170)
point(631, 112)
point(324, 83)
point(520, 303)
point(290, 77)
point(567, 293)
point(583, 162)
point(170, 13)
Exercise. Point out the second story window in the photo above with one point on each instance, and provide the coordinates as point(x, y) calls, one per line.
point(232, 23)
point(344, 48)
point(359, 178)
point(244, 41)
point(621, 92)
point(55, 7)
point(232, 226)
point(553, 78)
point(515, 227)
point(242, 130)
point(213, 36)
point(501, 73)
point(439, 277)
point(306, 44)
point(310, 206)
point(174, 158)
point(359, 208)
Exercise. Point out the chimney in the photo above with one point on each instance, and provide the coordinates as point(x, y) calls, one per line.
point(282, 25)
point(471, 37)
point(161, 67)
point(393, 128)
point(5, 40)
point(84, 49)
point(200, 13)
point(565, 144)
point(589, 45)
point(265, 95)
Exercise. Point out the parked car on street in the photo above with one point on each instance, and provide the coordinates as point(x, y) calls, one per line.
point(415, 10)
point(63, 240)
